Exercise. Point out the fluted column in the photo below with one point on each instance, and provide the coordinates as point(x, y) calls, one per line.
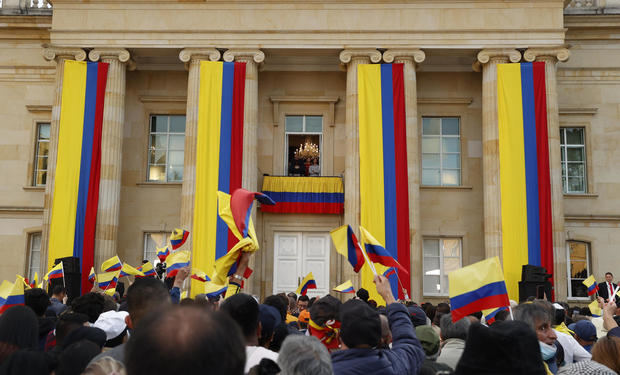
point(352, 58)
point(192, 57)
point(551, 56)
point(409, 58)
point(59, 55)
point(488, 60)
point(106, 232)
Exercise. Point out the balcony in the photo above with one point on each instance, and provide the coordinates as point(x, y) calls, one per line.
point(25, 7)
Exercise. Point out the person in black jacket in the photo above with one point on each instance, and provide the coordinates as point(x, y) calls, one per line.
point(604, 288)
point(360, 334)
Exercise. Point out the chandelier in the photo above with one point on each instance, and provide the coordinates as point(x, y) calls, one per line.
point(307, 151)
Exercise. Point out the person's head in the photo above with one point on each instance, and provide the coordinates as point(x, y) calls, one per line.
point(19, 329)
point(558, 316)
point(292, 305)
point(244, 310)
point(37, 300)
point(609, 277)
point(186, 340)
point(428, 339)
point(269, 318)
point(109, 303)
point(362, 294)
point(68, 322)
point(457, 330)
point(280, 303)
point(302, 303)
point(89, 304)
point(105, 366)
point(301, 355)
point(360, 325)
point(606, 351)
point(74, 359)
point(59, 292)
point(430, 310)
point(539, 319)
point(443, 308)
point(585, 333)
point(386, 332)
point(26, 361)
point(502, 315)
point(417, 315)
point(144, 296)
point(325, 309)
point(92, 334)
point(292, 295)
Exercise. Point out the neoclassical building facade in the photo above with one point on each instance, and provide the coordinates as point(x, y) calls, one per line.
point(301, 89)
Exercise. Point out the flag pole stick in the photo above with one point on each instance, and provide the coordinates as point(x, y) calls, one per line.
point(510, 309)
point(401, 286)
point(62, 265)
point(370, 263)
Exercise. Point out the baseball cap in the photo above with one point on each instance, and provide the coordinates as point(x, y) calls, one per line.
point(585, 330)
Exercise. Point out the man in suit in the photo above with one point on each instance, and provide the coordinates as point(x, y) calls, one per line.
point(606, 289)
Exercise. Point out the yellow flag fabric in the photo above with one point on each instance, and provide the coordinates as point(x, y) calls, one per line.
point(346, 287)
point(595, 309)
point(307, 283)
point(127, 270)
point(112, 264)
point(5, 289)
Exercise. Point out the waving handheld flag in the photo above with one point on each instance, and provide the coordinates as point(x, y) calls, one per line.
point(5, 289)
point(591, 284)
point(108, 280)
point(307, 283)
point(147, 269)
point(347, 245)
point(346, 287)
point(162, 253)
point(128, 270)
point(91, 276)
point(389, 272)
point(55, 273)
point(213, 290)
point(489, 315)
point(595, 309)
point(178, 238)
point(477, 287)
point(14, 297)
point(377, 253)
point(112, 264)
point(199, 275)
point(176, 261)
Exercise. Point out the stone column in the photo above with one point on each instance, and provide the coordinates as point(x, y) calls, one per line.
point(488, 60)
point(58, 54)
point(106, 232)
point(192, 58)
point(411, 57)
point(551, 56)
point(352, 58)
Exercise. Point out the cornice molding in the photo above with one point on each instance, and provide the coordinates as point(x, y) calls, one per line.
point(348, 54)
point(417, 55)
point(38, 108)
point(304, 99)
point(162, 99)
point(578, 111)
point(464, 101)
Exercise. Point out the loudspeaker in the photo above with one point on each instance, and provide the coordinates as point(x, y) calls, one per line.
point(534, 289)
point(70, 264)
point(534, 273)
point(72, 281)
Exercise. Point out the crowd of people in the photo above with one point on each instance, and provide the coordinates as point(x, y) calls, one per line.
point(151, 330)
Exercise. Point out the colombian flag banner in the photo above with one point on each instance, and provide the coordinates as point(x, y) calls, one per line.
point(383, 165)
point(524, 170)
point(311, 195)
point(219, 151)
point(76, 186)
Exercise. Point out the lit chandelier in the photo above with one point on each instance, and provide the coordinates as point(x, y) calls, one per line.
point(307, 151)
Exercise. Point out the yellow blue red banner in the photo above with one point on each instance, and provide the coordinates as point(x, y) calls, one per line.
point(312, 195)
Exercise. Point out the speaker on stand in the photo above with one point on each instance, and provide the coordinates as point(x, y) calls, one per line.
point(72, 281)
point(534, 283)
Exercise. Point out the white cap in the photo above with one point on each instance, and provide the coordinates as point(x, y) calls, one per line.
point(112, 323)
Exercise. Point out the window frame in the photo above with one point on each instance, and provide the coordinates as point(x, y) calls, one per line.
point(303, 132)
point(441, 153)
point(144, 243)
point(35, 159)
point(29, 271)
point(569, 278)
point(564, 163)
point(150, 133)
point(441, 262)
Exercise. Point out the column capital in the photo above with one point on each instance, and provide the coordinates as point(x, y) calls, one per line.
point(188, 54)
point(554, 54)
point(244, 54)
point(414, 54)
point(348, 54)
point(120, 54)
point(501, 55)
point(54, 53)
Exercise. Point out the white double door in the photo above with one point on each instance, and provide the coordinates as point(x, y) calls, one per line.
point(295, 255)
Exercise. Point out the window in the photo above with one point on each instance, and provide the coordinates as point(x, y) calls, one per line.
point(441, 256)
point(166, 148)
point(40, 154)
point(441, 151)
point(578, 255)
point(304, 135)
point(152, 241)
point(573, 147)
point(34, 255)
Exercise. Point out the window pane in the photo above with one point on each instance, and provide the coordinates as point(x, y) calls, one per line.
point(430, 160)
point(314, 124)
point(451, 264)
point(575, 184)
point(432, 285)
point(452, 161)
point(430, 177)
point(451, 145)
point(158, 157)
point(562, 137)
point(451, 247)
point(431, 266)
point(294, 124)
point(42, 162)
point(35, 255)
point(578, 251)
point(175, 158)
point(574, 136)
point(431, 126)
point(175, 173)
point(41, 177)
point(578, 289)
point(44, 131)
point(177, 124)
point(157, 173)
point(43, 148)
point(575, 154)
point(450, 177)
point(430, 145)
point(575, 169)
point(159, 124)
point(177, 142)
point(450, 126)
point(431, 247)
point(159, 141)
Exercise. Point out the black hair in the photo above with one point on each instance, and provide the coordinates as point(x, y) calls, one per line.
point(186, 340)
point(311, 302)
point(37, 300)
point(477, 315)
point(304, 298)
point(278, 301)
point(19, 329)
point(59, 289)
point(68, 322)
point(362, 294)
point(243, 309)
point(558, 316)
point(429, 310)
point(609, 273)
point(443, 308)
point(89, 304)
point(324, 309)
point(502, 315)
point(74, 358)
point(27, 361)
point(145, 295)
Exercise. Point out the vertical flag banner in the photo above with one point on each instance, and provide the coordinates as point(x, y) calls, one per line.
point(383, 165)
point(219, 151)
point(76, 186)
point(524, 170)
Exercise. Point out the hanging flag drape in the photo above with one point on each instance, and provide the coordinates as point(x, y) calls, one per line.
point(219, 151)
point(311, 195)
point(76, 185)
point(383, 165)
point(524, 170)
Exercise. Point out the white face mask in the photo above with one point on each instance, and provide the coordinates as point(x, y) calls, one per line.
point(547, 351)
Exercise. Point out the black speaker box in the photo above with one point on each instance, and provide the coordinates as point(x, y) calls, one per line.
point(534, 273)
point(70, 264)
point(72, 281)
point(534, 289)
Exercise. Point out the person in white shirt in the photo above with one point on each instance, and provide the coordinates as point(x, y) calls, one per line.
point(606, 289)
